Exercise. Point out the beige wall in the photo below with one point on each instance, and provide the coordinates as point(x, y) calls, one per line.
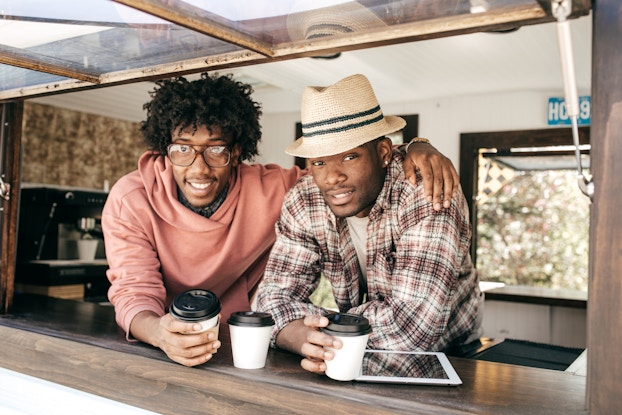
point(69, 148)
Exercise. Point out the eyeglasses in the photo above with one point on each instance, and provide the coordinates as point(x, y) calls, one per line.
point(183, 155)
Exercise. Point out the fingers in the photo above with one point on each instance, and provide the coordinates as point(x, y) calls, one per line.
point(446, 184)
point(437, 182)
point(317, 350)
point(315, 366)
point(440, 180)
point(194, 356)
point(190, 349)
point(439, 176)
point(171, 324)
point(315, 321)
point(317, 345)
point(430, 188)
point(192, 361)
point(316, 340)
point(450, 186)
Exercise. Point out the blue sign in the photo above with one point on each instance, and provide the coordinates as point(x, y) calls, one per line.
point(557, 114)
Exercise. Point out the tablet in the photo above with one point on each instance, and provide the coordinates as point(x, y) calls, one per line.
point(423, 368)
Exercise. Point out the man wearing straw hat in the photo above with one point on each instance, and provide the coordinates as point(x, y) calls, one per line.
point(388, 254)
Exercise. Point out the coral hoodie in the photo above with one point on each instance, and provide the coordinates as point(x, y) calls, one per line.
point(157, 248)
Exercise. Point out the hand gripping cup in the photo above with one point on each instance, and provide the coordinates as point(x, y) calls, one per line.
point(353, 331)
point(197, 306)
point(250, 338)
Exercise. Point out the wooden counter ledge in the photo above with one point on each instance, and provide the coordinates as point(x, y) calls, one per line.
point(79, 345)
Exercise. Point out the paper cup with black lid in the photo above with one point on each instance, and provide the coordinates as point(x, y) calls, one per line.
point(197, 306)
point(250, 338)
point(353, 331)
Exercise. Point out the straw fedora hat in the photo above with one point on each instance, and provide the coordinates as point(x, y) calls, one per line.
point(313, 22)
point(341, 117)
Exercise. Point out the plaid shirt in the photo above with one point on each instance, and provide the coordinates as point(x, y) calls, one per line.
point(422, 288)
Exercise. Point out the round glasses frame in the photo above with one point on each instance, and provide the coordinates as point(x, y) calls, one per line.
point(204, 153)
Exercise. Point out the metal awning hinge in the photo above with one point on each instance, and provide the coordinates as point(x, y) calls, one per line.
point(561, 8)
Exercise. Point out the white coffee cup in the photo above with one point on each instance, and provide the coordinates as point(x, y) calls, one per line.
point(250, 338)
point(353, 331)
point(87, 248)
point(197, 306)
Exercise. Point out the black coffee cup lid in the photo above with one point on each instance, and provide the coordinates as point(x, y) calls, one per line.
point(251, 319)
point(344, 324)
point(195, 305)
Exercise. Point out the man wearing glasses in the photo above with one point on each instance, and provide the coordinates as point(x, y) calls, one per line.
point(195, 215)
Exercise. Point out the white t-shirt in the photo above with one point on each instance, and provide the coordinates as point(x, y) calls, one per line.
point(358, 233)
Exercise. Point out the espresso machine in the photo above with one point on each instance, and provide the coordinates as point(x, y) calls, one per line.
point(53, 223)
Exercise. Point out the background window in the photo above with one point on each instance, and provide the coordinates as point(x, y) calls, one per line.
point(530, 220)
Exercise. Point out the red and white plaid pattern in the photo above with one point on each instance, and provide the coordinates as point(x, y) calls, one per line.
point(422, 288)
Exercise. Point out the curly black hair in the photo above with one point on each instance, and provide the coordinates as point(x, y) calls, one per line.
point(211, 101)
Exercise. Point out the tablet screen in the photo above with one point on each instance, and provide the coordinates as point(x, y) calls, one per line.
point(432, 368)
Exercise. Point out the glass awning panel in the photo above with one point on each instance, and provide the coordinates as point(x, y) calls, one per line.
point(53, 46)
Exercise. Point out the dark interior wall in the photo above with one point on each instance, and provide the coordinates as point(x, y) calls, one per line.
point(70, 148)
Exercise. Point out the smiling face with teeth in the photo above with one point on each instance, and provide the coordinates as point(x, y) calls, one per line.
point(351, 181)
point(200, 183)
